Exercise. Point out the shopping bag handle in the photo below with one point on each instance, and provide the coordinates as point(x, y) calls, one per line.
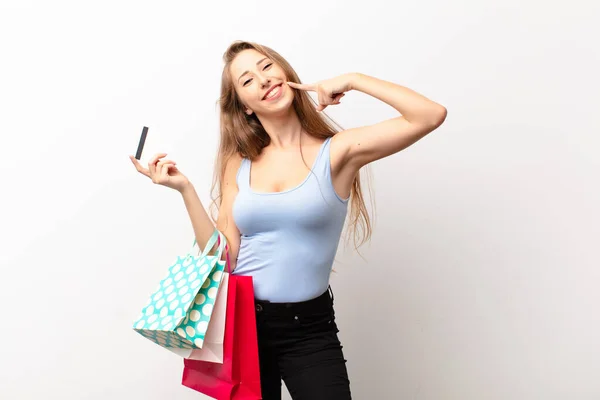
point(210, 244)
point(222, 244)
point(227, 261)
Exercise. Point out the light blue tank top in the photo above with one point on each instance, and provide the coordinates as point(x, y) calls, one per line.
point(289, 239)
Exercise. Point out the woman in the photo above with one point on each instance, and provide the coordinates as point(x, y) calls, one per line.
point(284, 178)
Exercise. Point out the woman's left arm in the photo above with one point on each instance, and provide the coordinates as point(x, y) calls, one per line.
point(419, 116)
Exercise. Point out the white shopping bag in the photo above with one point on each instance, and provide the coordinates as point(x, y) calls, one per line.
point(212, 349)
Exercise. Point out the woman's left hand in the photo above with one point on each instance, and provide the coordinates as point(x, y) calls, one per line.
point(329, 91)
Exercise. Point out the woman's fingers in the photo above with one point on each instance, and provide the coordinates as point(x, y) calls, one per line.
point(166, 162)
point(337, 98)
point(153, 161)
point(162, 169)
point(139, 167)
point(158, 176)
point(324, 100)
point(154, 166)
point(164, 172)
point(302, 86)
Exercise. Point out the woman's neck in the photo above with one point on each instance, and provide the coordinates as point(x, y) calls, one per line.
point(285, 131)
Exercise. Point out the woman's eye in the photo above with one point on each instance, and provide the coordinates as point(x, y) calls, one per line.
point(265, 67)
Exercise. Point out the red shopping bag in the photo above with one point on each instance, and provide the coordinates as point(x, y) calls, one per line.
point(239, 375)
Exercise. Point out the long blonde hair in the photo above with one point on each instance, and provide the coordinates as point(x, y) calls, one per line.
point(244, 134)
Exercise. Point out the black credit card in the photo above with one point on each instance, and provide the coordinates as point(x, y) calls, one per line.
point(138, 153)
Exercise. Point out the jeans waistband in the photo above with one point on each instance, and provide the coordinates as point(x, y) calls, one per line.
point(324, 300)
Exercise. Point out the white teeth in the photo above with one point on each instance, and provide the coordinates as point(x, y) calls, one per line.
point(273, 92)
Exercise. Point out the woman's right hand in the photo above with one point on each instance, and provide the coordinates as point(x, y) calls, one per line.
point(162, 172)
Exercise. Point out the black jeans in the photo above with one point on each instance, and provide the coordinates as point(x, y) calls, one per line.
point(298, 342)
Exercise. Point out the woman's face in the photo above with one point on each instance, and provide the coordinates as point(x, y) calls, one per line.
point(260, 83)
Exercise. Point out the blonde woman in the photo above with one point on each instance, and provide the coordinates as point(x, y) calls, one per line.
point(286, 181)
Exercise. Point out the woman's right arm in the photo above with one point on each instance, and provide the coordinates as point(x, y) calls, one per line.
point(225, 221)
point(202, 224)
point(165, 172)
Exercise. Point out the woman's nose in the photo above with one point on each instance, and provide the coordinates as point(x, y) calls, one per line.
point(264, 81)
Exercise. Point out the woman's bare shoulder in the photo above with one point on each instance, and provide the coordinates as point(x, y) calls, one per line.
point(232, 165)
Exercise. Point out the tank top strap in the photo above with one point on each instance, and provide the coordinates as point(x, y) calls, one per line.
point(322, 164)
point(243, 175)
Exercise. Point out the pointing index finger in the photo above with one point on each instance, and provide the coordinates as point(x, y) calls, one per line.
point(303, 86)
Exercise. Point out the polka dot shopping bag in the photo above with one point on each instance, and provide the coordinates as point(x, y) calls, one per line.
point(178, 313)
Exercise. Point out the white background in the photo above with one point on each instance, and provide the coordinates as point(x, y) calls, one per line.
point(481, 281)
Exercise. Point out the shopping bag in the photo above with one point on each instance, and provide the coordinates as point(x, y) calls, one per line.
point(212, 349)
point(238, 377)
point(178, 313)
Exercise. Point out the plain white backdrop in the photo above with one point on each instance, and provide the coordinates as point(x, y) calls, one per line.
point(481, 280)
